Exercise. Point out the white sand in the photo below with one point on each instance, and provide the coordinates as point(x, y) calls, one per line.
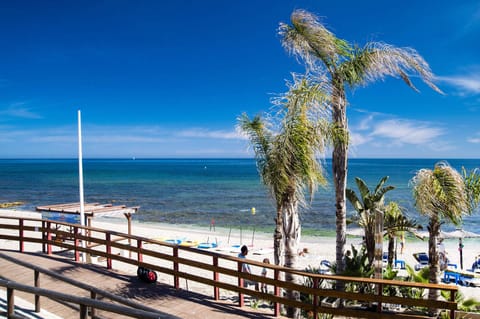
point(319, 248)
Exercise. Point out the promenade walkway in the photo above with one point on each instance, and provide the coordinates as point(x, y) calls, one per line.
point(173, 303)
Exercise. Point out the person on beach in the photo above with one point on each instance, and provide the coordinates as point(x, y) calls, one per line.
point(264, 274)
point(246, 268)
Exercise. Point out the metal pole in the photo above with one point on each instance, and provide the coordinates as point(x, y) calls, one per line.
point(80, 182)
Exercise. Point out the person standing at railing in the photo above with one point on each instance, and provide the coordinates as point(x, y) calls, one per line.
point(264, 274)
point(246, 268)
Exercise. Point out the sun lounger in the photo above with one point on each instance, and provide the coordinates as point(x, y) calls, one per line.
point(422, 259)
point(462, 277)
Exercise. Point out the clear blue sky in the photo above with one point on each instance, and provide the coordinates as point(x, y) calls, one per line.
point(170, 78)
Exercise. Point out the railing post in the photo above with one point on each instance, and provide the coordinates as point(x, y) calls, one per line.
point(83, 312)
point(10, 302)
point(36, 280)
point(452, 298)
point(276, 291)
point(380, 292)
point(216, 290)
point(108, 247)
point(76, 243)
point(139, 254)
point(49, 238)
point(93, 295)
point(20, 231)
point(176, 279)
point(315, 297)
point(44, 246)
point(241, 299)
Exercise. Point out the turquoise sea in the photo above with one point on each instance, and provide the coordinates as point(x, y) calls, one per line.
point(193, 191)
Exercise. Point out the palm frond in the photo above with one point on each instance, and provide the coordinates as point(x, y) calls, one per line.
point(362, 187)
point(472, 186)
point(378, 60)
point(307, 38)
point(354, 200)
point(440, 193)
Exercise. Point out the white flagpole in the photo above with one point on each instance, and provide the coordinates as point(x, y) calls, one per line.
point(80, 180)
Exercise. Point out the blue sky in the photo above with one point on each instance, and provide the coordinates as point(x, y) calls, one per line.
point(170, 78)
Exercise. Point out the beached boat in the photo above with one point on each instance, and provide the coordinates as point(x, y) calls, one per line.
point(207, 245)
point(189, 243)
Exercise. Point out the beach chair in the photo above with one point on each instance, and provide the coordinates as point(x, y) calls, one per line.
point(325, 267)
point(422, 259)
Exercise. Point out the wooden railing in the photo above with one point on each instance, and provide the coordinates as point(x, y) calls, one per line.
point(223, 271)
point(83, 302)
point(94, 292)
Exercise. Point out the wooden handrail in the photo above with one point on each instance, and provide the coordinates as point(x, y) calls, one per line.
point(82, 301)
point(76, 283)
point(108, 240)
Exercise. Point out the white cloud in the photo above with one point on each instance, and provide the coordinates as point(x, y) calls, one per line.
point(365, 124)
point(359, 139)
point(466, 84)
point(205, 133)
point(406, 132)
point(475, 139)
point(20, 111)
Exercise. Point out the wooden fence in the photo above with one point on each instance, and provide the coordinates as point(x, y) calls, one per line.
point(186, 263)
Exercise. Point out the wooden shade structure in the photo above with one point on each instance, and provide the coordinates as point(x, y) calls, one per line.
point(92, 210)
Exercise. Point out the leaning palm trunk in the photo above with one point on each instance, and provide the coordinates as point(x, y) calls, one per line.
point(433, 260)
point(291, 227)
point(339, 167)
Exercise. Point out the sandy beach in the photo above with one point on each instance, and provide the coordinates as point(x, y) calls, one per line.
point(319, 248)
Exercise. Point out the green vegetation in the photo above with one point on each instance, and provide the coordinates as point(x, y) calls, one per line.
point(366, 205)
point(394, 224)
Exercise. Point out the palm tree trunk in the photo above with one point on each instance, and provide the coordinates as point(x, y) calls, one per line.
point(339, 168)
point(434, 273)
point(278, 245)
point(292, 228)
point(370, 242)
point(391, 249)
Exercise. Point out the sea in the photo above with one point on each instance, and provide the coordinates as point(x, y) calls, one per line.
point(227, 192)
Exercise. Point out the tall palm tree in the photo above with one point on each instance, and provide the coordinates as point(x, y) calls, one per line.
point(394, 222)
point(346, 65)
point(287, 162)
point(440, 194)
point(366, 205)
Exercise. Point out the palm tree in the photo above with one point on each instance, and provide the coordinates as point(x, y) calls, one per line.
point(440, 194)
point(352, 66)
point(366, 205)
point(472, 185)
point(288, 165)
point(394, 222)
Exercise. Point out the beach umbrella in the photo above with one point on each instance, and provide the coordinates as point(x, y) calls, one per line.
point(422, 234)
point(460, 234)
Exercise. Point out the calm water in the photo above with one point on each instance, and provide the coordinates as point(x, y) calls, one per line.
point(193, 191)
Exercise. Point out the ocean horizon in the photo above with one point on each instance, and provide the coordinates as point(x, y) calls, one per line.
point(197, 190)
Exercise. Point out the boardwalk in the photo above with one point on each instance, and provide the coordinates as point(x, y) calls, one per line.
point(179, 304)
